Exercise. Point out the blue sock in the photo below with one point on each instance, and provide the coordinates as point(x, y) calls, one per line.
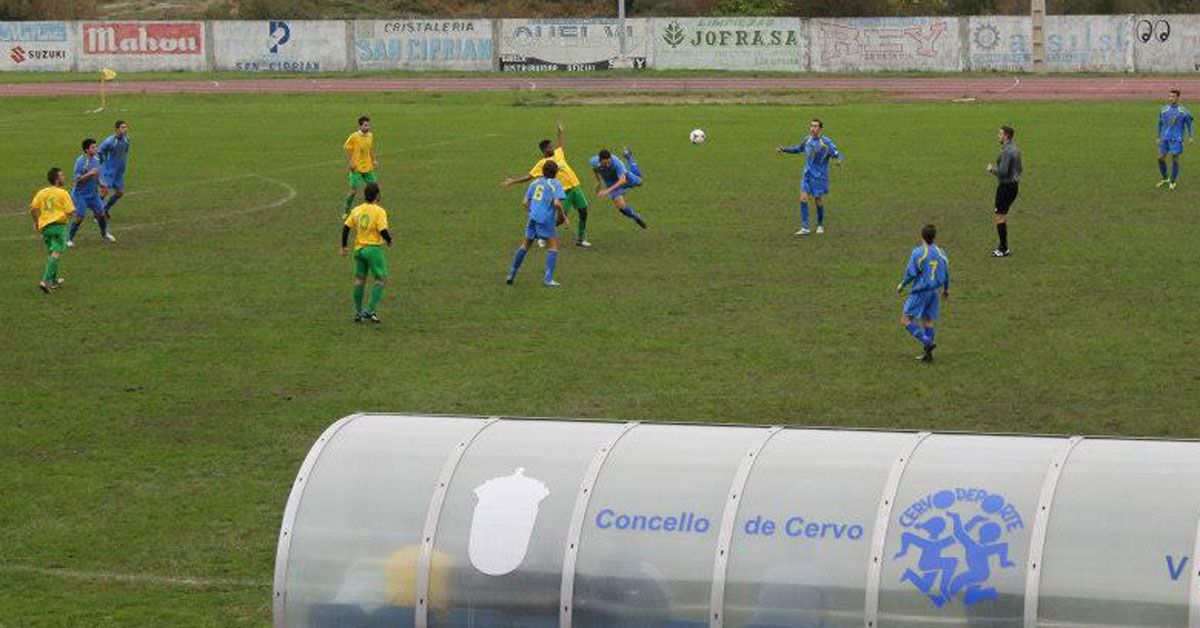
point(74, 230)
point(628, 212)
point(804, 214)
point(112, 200)
point(516, 265)
point(930, 334)
point(551, 262)
point(1174, 170)
point(916, 331)
point(1162, 168)
point(103, 222)
point(820, 214)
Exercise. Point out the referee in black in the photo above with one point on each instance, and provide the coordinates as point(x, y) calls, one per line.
point(1008, 175)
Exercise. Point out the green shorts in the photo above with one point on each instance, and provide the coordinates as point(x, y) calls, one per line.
point(359, 179)
point(576, 199)
point(55, 237)
point(370, 259)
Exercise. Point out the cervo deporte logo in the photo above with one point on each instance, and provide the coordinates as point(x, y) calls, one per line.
point(956, 533)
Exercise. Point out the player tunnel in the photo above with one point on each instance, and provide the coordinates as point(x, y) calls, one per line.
point(483, 522)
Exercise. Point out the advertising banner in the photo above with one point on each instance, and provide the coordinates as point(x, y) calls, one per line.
point(36, 47)
point(280, 46)
point(142, 46)
point(423, 44)
point(885, 43)
point(730, 43)
point(1089, 43)
point(571, 44)
point(999, 43)
point(1166, 43)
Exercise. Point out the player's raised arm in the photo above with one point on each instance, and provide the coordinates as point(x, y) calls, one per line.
point(790, 150)
point(512, 180)
point(560, 129)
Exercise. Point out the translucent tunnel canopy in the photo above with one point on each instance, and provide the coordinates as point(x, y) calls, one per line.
point(406, 521)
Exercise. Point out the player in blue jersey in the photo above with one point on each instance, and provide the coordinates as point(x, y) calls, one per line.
point(114, 154)
point(86, 193)
point(815, 182)
point(614, 180)
point(543, 201)
point(927, 270)
point(1173, 120)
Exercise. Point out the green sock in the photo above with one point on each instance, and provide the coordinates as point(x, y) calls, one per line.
point(51, 272)
point(582, 232)
point(358, 298)
point(349, 202)
point(376, 297)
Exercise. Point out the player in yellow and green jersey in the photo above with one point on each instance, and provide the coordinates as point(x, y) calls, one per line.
point(575, 199)
point(52, 209)
point(370, 223)
point(360, 155)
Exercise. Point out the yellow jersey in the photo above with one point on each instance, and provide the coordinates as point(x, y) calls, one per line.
point(369, 220)
point(54, 204)
point(360, 146)
point(566, 176)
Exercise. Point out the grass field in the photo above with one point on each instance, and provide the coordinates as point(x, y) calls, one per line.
point(156, 408)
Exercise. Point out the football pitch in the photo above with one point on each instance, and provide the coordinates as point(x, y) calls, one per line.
point(157, 406)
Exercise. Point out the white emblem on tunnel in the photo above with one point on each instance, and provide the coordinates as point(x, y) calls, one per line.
point(506, 510)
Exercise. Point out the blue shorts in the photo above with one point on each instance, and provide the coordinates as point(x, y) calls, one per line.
point(535, 230)
point(84, 203)
point(1169, 146)
point(113, 180)
point(922, 305)
point(814, 186)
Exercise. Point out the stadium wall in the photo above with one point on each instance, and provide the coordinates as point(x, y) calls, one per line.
point(1098, 43)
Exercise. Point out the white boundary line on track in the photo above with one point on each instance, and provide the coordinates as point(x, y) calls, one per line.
point(1016, 82)
point(188, 582)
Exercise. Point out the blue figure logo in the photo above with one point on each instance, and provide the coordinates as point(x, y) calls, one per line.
point(955, 558)
point(280, 33)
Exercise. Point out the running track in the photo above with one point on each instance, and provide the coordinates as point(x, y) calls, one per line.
point(998, 88)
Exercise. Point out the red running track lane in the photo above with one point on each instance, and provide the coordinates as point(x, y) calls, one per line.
point(998, 88)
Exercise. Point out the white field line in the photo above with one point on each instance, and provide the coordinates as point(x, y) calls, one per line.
point(188, 582)
point(23, 211)
point(279, 202)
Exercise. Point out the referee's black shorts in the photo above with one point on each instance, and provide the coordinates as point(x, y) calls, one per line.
point(1006, 193)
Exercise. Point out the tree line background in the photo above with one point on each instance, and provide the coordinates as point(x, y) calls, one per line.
point(345, 9)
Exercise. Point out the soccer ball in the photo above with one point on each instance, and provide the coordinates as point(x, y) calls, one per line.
point(698, 136)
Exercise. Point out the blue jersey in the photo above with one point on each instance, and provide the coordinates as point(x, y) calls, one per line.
point(1173, 120)
point(541, 195)
point(90, 187)
point(612, 173)
point(927, 269)
point(113, 153)
point(819, 150)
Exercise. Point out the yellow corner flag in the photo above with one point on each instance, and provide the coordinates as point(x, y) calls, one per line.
point(108, 74)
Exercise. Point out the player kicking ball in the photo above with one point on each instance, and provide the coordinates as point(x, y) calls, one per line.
point(927, 270)
point(614, 180)
point(815, 182)
point(544, 204)
point(86, 193)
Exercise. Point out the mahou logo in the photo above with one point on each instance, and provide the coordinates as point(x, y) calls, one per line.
point(143, 38)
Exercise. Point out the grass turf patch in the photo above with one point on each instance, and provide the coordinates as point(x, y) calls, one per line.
point(158, 406)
